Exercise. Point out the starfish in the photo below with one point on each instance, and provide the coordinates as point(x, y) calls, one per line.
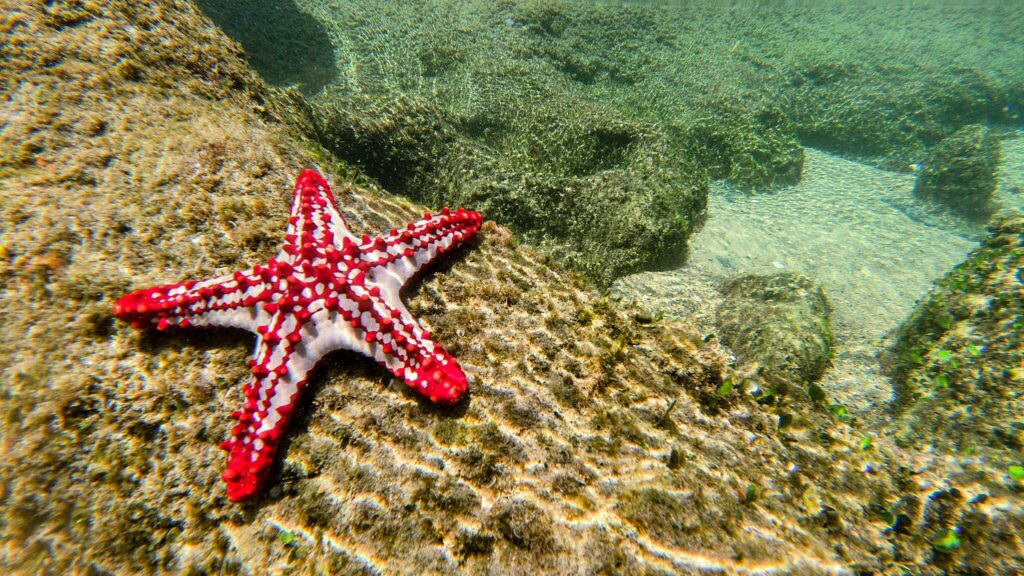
point(324, 291)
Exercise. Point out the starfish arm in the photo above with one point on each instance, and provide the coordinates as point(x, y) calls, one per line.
point(285, 353)
point(399, 255)
point(377, 324)
point(424, 366)
point(223, 301)
point(314, 225)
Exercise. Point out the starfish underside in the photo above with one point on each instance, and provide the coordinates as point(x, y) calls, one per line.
point(326, 290)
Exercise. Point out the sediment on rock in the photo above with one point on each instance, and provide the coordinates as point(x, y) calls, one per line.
point(960, 173)
point(779, 322)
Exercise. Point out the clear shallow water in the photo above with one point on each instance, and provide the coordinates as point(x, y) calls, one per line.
point(841, 225)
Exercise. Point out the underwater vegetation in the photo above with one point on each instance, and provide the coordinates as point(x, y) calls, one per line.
point(549, 115)
point(780, 322)
point(959, 173)
point(604, 198)
point(958, 359)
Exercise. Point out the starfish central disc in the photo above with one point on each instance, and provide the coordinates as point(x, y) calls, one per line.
point(326, 290)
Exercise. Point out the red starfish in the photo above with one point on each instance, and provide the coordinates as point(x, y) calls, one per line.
point(325, 291)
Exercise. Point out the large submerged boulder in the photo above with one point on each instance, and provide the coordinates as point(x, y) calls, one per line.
point(960, 172)
point(780, 322)
point(598, 193)
point(752, 156)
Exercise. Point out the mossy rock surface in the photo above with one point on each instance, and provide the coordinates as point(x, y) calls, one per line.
point(752, 156)
point(957, 361)
point(960, 172)
point(882, 85)
point(598, 193)
point(781, 322)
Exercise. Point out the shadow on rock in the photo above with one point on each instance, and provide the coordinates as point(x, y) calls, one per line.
point(287, 46)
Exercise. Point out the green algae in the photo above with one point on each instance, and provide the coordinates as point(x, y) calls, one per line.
point(959, 173)
point(781, 322)
point(815, 76)
point(630, 207)
point(587, 129)
point(959, 348)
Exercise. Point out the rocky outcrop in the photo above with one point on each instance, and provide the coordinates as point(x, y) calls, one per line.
point(960, 172)
point(751, 156)
point(779, 322)
point(957, 361)
point(602, 196)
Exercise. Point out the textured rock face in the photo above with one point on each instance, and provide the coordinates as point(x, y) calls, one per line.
point(957, 364)
point(751, 156)
point(780, 322)
point(595, 192)
point(958, 360)
point(960, 172)
point(593, 441)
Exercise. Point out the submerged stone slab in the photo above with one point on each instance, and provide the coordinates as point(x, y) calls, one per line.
point(960, 172)
point(780, 322)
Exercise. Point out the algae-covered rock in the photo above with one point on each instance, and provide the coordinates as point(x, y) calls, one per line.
point(750, 155)
point(838, 86)
point(780, 322)
point(887, 114)
point(520, 81)
point(601, 195)
point(960, 172)
point(957, 361)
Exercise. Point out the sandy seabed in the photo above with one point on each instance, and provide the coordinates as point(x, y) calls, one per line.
point(856, 229)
